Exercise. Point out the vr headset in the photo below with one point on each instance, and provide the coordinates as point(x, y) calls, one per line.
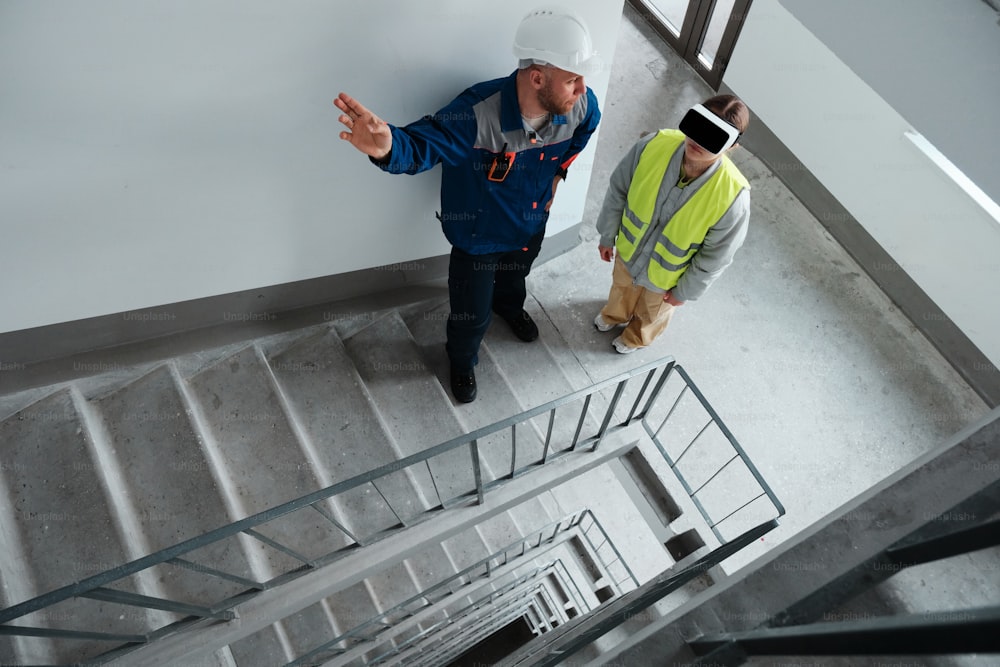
point(708, 130)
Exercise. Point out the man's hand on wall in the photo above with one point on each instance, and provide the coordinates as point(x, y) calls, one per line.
point(368, 133)
point(607, 254)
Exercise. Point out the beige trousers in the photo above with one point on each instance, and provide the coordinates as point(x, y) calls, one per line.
point(646, 313)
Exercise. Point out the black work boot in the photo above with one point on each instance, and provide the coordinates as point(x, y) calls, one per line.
point(522, 325)
point(463, 385)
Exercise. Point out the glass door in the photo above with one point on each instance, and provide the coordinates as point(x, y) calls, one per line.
point(703, 32)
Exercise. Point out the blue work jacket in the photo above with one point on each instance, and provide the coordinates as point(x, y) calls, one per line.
point(496, 173)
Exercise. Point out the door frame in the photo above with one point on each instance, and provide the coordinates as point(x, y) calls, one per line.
point(692, 35)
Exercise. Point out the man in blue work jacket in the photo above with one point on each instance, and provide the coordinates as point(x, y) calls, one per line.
point(504, 145)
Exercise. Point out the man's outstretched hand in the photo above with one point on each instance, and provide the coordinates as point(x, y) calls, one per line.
point(368, 133)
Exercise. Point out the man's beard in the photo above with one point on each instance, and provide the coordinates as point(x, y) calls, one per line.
point(547, 99)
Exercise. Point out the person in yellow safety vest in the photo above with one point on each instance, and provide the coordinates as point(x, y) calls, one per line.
point(676, 211)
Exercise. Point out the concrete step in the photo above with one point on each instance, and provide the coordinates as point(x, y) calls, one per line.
point(531, 516)
point(614, 509)
point(413, 404)
point(551, 505)
point(467, 631)
point(539, 372)
point(430, 566)
point(221, 658)
point(595, 653)
point(167, 483)
point(258, 449)
point(319, 623)
point(262, 649)
point(390, 587)
point(425, 568)
point(309, 628)
point(462, 616)
point(554, 358)
point(496, 400)
point(351, 607)
point(466, 548)
point(345, 434)
point(58, 528)
point(499, 531)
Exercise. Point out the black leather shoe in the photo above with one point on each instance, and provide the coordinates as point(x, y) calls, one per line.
point(463, 386)
point(523, 326)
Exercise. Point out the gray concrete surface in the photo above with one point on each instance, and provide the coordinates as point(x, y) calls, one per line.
point(824, 383)
point(222, 434)
point(827, 387)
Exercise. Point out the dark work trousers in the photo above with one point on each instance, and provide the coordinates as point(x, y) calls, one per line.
point(478, 284)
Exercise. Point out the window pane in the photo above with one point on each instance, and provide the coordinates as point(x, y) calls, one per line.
point(672, 12)
point(716, 26)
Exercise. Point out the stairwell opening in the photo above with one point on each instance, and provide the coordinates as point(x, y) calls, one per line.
point(497, 646)
point(684, 544)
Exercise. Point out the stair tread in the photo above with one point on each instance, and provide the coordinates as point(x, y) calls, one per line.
point(308, 628)
point(430, 566)
point(466, 548)
point(496, 399)
point(391, 586)
point(614, 509)
point(535, 360)
point(170, 485)
point(530, 516)
point(499, 531)
point(414, 405)
point(262, 455)
point(57, 499)
point(261, 649)
point(330, 401)
point(255, 439)
point(351, 607)
point(551, 506)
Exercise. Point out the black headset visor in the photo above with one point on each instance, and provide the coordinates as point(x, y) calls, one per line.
point(708, 130)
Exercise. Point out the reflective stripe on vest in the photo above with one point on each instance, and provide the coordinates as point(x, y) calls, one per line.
point(684, 232)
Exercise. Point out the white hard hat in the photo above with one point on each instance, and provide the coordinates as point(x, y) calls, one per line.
point(556, 36)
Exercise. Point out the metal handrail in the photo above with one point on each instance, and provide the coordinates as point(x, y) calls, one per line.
point(714, 418)
point(465, 612)
point(97, 585)
point(556, 568)
point(606, 566)
point(173, 554)
point(556, 651)
point(643, 599)
point(484, 566)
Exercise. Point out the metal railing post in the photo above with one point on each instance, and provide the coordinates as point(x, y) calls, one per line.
point(476, 472)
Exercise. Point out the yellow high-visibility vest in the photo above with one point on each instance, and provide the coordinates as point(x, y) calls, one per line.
point(686, 230)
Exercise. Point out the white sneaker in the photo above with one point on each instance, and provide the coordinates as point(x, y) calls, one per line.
point(602, 325)
point(621, 347)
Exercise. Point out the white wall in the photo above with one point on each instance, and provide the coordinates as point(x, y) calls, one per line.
point(852, 139)
point(167, 150)
point(937, 62)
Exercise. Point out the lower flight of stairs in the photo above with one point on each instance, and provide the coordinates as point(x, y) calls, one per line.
point(100, 471)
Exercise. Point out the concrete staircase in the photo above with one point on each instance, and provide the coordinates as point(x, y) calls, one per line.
point(107, 469)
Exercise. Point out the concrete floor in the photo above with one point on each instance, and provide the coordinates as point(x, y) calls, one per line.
point(826, 385)
point(829, 389)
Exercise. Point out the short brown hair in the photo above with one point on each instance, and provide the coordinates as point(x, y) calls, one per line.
point(731, 109)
